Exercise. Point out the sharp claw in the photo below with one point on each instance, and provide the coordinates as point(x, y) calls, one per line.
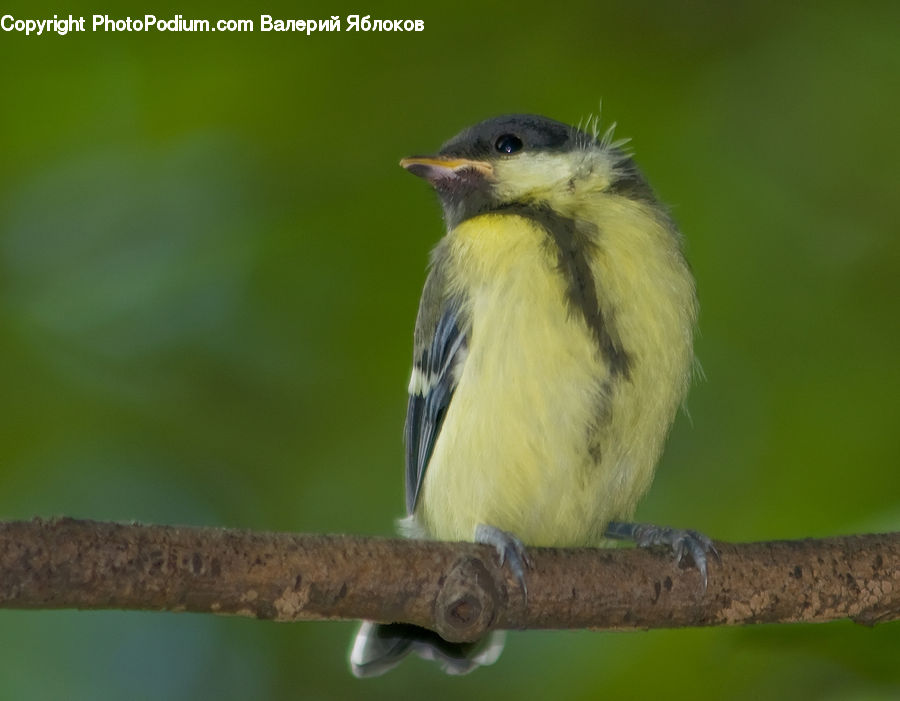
point(519, 574)
point(681, 542)
point(509, 549)
point(529, 563)
point(680, 546)
point(699, 555)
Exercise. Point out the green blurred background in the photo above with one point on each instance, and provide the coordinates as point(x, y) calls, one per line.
point(209, 270)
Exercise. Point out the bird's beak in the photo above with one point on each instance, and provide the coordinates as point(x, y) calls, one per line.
point(436, 169)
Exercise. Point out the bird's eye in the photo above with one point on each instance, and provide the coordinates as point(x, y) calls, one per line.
point(508, 143)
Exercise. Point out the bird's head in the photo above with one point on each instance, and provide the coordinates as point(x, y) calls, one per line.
point(526, 160)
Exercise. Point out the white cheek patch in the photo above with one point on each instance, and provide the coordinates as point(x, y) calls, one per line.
point(552, 176)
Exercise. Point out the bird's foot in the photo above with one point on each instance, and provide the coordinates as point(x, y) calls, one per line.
point(681, 540)
point(509, 549)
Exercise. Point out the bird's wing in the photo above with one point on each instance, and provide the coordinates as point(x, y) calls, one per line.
point(440, 351)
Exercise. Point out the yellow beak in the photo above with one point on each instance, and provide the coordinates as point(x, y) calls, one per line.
point(436, 167)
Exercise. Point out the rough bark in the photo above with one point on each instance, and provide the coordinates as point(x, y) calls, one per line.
point(457, 589)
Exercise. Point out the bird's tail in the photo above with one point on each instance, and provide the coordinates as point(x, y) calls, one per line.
point(380, 647)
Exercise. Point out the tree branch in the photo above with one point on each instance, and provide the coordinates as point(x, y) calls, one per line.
point(456, 589)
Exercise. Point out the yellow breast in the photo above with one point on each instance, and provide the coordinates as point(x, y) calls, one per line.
point(513, 444)
point(540, 439)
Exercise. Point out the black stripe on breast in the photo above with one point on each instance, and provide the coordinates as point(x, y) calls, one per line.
point(572, 242)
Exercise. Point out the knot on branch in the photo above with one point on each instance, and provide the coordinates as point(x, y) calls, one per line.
point(466, 606)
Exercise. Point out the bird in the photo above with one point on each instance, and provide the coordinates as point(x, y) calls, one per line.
point(552, 349)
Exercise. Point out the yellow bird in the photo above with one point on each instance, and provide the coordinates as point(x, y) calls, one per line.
point(553, 347)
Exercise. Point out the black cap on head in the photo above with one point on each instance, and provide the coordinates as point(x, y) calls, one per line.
point(512, 133)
